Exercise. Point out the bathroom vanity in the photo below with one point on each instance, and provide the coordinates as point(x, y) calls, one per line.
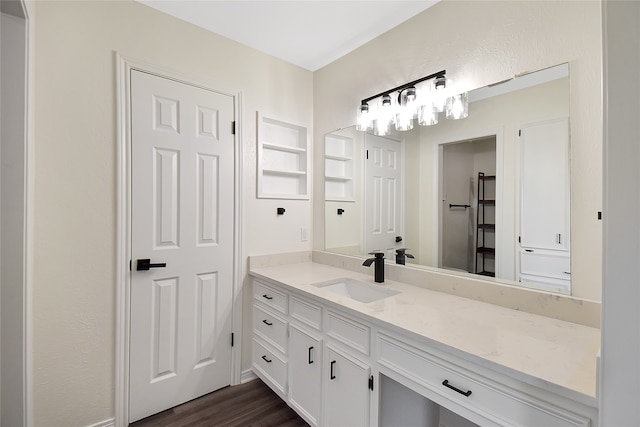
point(343, 355)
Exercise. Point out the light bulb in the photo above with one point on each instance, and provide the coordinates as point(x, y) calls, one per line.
point(458, 106)
point(440, 93)
point(427, 115)
point(406, 110)
point(364, 120)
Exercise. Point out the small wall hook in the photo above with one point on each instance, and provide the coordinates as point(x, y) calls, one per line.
point(280, 211)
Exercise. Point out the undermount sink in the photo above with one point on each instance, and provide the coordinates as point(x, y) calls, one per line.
point(357, 290)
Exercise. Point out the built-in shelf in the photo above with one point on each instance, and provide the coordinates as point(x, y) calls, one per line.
point(342, 158)
point(338, 178)
point(489, 227)
point(283, 172)
point(283, 159)
point(338, 168)
point(284, 148)
point(486, 251)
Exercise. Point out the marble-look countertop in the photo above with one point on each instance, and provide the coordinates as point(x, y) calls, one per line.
point(552, 354)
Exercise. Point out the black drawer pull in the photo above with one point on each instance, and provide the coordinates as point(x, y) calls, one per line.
point(265, 296)
point(465, 393)
point(332, 375)
point(267, 323)
point(310, 359)
point(265, 359)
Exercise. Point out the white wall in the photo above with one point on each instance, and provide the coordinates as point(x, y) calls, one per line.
point(75, 180)
point(479, 43)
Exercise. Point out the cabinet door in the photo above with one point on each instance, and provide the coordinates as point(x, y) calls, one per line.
point(305, 367)
point(545, 185)
point(346, 392)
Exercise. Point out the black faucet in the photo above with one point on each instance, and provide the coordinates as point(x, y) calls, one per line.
point(401, 256)
point(379, 267)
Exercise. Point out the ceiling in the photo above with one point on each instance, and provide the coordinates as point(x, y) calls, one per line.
point(308, 33)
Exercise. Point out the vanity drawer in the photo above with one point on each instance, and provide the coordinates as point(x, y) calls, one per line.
point(490, 401)
point(348, 331)
point(270, 366)
point(270, 327)
point(305, 312)
point(269, 296)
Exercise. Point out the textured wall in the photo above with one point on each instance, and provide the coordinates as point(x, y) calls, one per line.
point(479, 43)
point(75, 179)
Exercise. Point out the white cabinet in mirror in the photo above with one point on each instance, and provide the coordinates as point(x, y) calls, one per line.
point(485, 195)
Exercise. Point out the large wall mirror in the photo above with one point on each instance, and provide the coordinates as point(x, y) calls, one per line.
point(487, 195)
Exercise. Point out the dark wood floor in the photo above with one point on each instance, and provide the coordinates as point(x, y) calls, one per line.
point(252, 404)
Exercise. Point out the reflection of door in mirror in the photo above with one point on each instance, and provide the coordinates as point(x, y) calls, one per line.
point(383, 195)
point(467, 219)
point(544, 205)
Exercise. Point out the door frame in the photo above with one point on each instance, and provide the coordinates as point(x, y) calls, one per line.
point(124, 66)
point(502, 247)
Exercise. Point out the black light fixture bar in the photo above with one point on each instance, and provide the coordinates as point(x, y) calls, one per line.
point(405, 86)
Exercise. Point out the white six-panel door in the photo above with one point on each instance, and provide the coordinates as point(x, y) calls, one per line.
point(182, 215)
point(383, 195)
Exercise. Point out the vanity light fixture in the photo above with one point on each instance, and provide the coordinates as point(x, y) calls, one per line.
point(422, 99)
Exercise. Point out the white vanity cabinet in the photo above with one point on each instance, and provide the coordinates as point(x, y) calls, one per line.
point(305, 359)
point(320, 366)
point(270, 337)
point(332, 363)
point(346, 392)
point(483, 397)
point(305, 373)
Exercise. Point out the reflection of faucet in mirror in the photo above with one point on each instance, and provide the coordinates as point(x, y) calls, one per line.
point(499, 138)
point(379, 267)
point(402, 255)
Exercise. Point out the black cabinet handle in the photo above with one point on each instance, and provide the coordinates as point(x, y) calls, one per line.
point(465, 393)
point(145, 264)
point(310, 359)
point(265, 296)
point(332, 374)
point(265, 359)
point(267, 323)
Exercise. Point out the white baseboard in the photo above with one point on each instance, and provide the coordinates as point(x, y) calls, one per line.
point(247, 376)
point(111, 422)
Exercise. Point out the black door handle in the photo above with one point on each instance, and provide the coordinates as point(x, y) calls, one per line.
point(332, 374)
point(145, 264)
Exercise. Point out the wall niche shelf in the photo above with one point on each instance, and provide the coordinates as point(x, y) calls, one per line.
point(338, 168)
point(283, 159)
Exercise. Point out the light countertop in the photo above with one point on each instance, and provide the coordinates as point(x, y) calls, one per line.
point(548, 353)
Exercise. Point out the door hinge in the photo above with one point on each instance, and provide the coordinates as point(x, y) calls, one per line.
point(367, 154)
point(232, 339)
point(130, 265)
point(519, 132)
point(233, 127)
point(371, 383)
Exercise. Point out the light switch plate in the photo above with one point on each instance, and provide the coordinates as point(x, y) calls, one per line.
point(304, 234)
